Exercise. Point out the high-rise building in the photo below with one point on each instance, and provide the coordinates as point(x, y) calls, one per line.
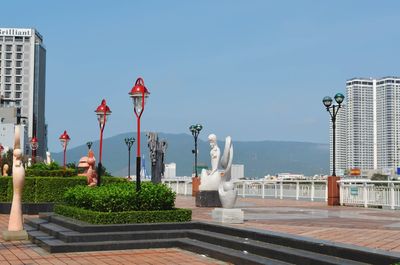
point(368, 138)
point(341, 140)
point(22, 79)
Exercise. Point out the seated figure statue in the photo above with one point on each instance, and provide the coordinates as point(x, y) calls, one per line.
point(211, 180)
point(91, 172)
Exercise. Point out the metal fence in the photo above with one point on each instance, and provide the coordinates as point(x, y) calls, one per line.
point(370, 193)
point(282, 189)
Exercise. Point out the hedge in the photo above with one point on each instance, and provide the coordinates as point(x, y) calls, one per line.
point(45, 189)
point(127, 217)
point(68, 172)
point(119, 197)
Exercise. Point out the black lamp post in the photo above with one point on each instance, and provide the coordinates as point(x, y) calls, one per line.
point(333, 111)
point(89, 145)
point(195, 129)
point(129, 142)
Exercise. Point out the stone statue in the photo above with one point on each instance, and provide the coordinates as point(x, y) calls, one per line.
point(15, 225)
point(5, 170)
point(29, 162)
point(226, 188)
point(157, 153)
point(48, 158)
point(220, 179)
point(211, 180)
point(91, 172)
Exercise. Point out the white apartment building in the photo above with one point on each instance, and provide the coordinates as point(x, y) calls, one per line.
point(341, 138)
point(22, 79)
point(370, 136)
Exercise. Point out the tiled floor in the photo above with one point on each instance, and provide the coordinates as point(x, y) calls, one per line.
point(372, 228)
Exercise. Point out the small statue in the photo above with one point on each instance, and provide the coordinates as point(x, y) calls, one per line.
point(91, 172)
point(157, 153)
point(210, 180)
point(5, 170)
point(29, 162)
point(48, 158)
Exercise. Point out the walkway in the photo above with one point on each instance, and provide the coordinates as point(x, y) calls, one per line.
point(372, 228)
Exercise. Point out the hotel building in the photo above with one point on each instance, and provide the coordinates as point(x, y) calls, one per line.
point(22, 79)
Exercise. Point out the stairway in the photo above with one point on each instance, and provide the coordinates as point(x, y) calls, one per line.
point(239, 246)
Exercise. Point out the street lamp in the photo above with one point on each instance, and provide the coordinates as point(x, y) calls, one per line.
point(195, 129)
point(34, 146)
point(138, 94)
point(64, 139)
point(333, 187)
point(89, 145)
point(102, 112)
point(333, 111)
point(129, 142)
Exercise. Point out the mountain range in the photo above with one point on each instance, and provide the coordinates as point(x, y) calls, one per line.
point(258, 157)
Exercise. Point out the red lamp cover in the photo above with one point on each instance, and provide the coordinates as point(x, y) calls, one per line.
point(34, 140)
point(64, 137)
point(139, 88)
point(103, 108)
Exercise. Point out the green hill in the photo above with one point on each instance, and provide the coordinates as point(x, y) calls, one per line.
point(259, 157)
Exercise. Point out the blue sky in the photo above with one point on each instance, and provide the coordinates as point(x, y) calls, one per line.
point(255, 70)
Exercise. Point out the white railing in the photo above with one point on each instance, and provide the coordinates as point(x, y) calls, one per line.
point(295, 189)
point(370, 193)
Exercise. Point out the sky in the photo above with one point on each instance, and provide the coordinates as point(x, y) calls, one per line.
point(254, 70)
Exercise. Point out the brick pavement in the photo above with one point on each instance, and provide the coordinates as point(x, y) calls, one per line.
point(372, 228)
point(24, 252)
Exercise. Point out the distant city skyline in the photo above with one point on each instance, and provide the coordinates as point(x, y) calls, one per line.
point(253, 71)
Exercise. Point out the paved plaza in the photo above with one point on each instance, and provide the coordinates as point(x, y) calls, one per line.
point(371, 228)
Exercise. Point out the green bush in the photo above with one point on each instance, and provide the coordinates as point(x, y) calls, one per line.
point(45, 189)
point(121, 197)
point(50, 170)
point(128, 217)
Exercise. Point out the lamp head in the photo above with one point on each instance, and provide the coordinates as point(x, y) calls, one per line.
point(339, 98)
point(327, 101)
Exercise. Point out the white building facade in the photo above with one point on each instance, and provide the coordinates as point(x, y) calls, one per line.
point(369, 134)
point(22, 79)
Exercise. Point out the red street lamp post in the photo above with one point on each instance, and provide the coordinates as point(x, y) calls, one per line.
point(64, 139)
point(138, 94)
point(1, 159)
point(102, 112)
point(34, 146)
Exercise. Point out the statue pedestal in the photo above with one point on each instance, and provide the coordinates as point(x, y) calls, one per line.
point(208, 198)
point(195, 185)
point(230, 216)
point(15, 235)
point(333, 191)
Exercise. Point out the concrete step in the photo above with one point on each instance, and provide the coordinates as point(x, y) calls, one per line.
point(278, 252)
point(34, 222)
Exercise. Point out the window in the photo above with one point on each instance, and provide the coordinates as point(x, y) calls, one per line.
point(8, 79)
point(8, 48)
point(18, 56)
point(8, 55)
point(18, 71)
point(8, 71)
point(19, 39)
point(18, 87)
point(19, 48)
point(27, 39)
point(18, 79)
point(7, 94)
point(18, 94)
point(8, 63)
point(9, 38)
point(18, 64)
point(7, 87)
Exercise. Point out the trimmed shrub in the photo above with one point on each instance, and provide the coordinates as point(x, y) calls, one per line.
point(45, 189)
point(121, 197)
point(127, 217)
point(51, 170)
